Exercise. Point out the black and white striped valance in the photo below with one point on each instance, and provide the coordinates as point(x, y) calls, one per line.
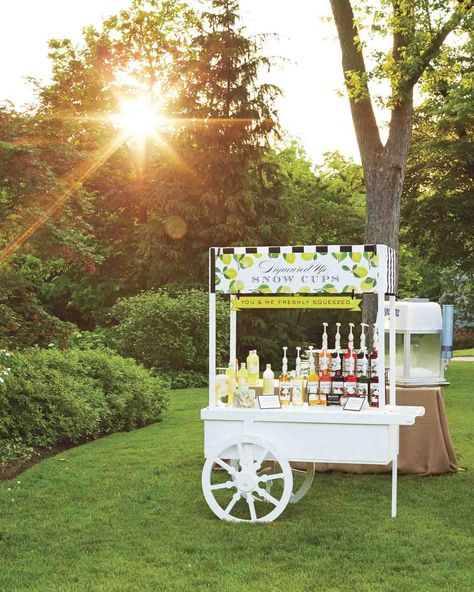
point(296, 249)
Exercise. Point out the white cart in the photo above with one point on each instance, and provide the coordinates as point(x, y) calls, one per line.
point(247, 475)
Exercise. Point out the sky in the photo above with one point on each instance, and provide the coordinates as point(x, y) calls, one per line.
point(310, 109)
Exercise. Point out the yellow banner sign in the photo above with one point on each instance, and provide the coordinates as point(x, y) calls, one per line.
point(342, 302)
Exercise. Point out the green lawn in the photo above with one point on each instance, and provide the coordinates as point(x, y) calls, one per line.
point(464, 352)
point(126, 514)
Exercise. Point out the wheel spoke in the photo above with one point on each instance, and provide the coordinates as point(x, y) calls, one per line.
point(247, 456)
point(261, 458)
point(241, 453)
point(233, 501)
point(224, 465)
point(251, 504)
point(267, 496)
point(226, 485)
point(266, 478)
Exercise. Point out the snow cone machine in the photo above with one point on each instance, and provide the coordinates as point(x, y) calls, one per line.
point(424, 341)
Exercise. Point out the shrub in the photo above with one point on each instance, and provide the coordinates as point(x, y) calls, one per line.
point(464, 339)
point(14, 450)
point(180, 379)
point(169, 331)
point(52, 396)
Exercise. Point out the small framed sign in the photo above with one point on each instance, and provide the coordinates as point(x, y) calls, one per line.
point(354, 404)
point(269, 401)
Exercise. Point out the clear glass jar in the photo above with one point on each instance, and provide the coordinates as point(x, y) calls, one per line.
point(221, 392)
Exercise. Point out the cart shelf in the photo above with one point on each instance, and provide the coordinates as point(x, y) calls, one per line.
point(392, 415)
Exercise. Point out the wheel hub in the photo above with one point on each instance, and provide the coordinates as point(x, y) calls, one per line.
point(245, 482)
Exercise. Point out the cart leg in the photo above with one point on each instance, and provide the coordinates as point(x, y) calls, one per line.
point(394, 486)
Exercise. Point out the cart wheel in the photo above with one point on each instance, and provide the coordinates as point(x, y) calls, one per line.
point(238, 493)
point(303, 478)
point(302, 481)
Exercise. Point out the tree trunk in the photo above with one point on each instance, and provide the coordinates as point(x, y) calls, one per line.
point(384, 177)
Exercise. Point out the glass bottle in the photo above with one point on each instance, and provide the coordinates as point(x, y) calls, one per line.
point(253, 367)
point(284, 383)
point(312, 381)
point(337, 387)
point(243, 378)
point(231, 383)
point(268, 381)
point(324, 370)
point(297, 382)
point(363, 366)
point(350, 357)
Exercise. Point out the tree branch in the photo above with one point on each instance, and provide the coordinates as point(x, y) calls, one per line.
point(437, 41)
point(363, 116)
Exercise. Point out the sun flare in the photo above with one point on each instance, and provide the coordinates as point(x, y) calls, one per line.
point(138, 118)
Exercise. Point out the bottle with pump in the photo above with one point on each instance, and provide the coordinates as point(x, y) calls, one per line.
point(243, 378)
point(231, 383)
point(350, 357)
point(312, 384)
point(284, 385)
point(374, 388)
point(324, 369)
point(297, 382)
point(337, 389)
point(268, 381)
point(363, 366)
point(337, 356)
point(350, 362)
point(253, 367)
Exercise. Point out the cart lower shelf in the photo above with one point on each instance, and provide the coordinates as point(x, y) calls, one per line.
point(242, 442)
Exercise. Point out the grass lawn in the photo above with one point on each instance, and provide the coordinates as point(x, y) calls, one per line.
point(464, 352)
point(126, 513)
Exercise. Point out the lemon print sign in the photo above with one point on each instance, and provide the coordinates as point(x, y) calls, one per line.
point(297, 270)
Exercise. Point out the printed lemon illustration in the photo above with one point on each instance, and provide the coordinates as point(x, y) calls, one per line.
point(289, 257)
point(304, 290)
point(330, 288)
point(308, 256)
point(226, 259)
point(230, 273)
point(246, 262)
point(368, 283)
point(263, 288)
point(339, 256)
point(236, 286)
point(356, 257)
point(284, 290)
point(360, 272)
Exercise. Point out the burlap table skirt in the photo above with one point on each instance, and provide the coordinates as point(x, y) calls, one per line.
point(425, 447)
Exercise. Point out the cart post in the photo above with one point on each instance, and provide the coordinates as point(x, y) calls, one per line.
point(382, 286)
point(392, 359)
point(394, 484)
point(212, 348)
point(233, 332)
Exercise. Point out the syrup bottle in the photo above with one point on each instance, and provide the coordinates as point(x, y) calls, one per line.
point(374, 388)
point(284, 384)
point(324, 370)
point(312, 381)
point(350, 357)
point(363, 366)
point(297, 382)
